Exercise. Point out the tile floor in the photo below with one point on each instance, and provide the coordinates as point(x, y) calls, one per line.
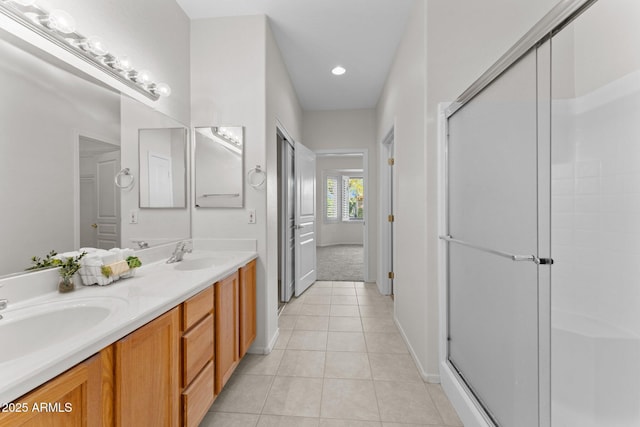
point(339, 362)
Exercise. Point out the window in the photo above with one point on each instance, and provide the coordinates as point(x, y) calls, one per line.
point(344, 197)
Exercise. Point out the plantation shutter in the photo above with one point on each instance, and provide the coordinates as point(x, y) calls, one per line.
point(345, 198)
point(331, 203)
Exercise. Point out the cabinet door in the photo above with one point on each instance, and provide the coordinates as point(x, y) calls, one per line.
point(226, 327)
point(247, 306)
point(147, 386)
point(74, 398)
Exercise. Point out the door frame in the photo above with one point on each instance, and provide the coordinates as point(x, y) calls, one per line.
point(387, 202)
point(77, 136)
point(285, 292)
point(364, 152)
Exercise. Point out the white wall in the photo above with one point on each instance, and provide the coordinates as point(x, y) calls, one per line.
point(155, 35)
point(447, 46)
point(349, 129)
point(239, 79)
point(336, 233)
point(283, 110)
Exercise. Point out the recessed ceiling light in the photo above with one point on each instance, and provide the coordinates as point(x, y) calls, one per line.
point(338, 71)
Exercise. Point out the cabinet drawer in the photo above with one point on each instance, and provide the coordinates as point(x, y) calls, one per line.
point(198, 397)
point(197, 348)
point(196, 307)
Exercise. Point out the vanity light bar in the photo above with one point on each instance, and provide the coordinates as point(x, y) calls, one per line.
point(59, 28)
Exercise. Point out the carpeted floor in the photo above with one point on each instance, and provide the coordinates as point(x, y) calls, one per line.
point(340, 263)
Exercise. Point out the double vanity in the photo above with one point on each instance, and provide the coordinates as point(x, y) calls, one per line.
point(155, 349)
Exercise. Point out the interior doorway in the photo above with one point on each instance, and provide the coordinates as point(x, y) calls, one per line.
point(343, 227)
point(98, 199)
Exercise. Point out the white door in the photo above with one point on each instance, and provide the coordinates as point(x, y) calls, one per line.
point(107, 201)
point(88, 215)
point(160, 181)
point(305, 238)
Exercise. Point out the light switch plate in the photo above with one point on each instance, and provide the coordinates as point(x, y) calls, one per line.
point(252, 216)
point(133, 216)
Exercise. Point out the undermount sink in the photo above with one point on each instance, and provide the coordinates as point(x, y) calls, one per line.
point(201, 262)
point(30, 329)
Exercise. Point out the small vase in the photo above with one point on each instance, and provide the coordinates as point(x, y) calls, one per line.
point(65, 285)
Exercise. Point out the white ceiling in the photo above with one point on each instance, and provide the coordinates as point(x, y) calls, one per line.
point(316, 35)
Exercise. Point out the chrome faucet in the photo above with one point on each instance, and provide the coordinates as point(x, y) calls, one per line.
point(178, 252)
point(3, 305)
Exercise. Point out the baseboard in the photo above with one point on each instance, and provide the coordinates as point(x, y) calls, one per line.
point(426, 376)
point(265, 350)
point(469, 414)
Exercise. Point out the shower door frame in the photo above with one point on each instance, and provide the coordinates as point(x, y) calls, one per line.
point(538, 38)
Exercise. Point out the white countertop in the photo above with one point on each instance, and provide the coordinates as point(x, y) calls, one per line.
point(155, 289)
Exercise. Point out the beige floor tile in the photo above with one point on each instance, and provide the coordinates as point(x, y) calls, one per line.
point(379, 324)
point(406, 403)
point(379, 310)
point(370, 299)
point(411, 425)
point(322, 284)
point(326, 422)
point(346, 341)
point(447, 412)
point(291, 310)
point(244, 394)
point(344, 300)
point(368, 291)
point(223, 419)
point(344, 311)
point(260, 364)
point(318, 299)
point(350, 292)
point(302, 363)
point(308, 340)
point(394, 367)
point(294, 396)
point(297, 300)
point(347, 365)
point(343, 284)
point(312, 323)
point(349, 399)
point(318, 291)
point(287, 322)
point(385, 342)
point(285, 421)
point(345, 324)
point(283, 339)
point(315, 310)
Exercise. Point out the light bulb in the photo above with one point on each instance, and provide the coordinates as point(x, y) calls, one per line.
point(124, 63)
point(60, 21)
point(338, 71)
point(143, 77)
point(96, 46)
point(162, 89)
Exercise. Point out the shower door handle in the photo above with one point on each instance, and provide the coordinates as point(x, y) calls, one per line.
point(512, 257)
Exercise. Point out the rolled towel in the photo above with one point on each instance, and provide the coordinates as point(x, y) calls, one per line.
point(126, 253)
point(117, 252)
point(91, 260)
point(108, 257)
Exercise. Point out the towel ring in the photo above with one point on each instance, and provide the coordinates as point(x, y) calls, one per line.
point(124, 172)
point(256, 171)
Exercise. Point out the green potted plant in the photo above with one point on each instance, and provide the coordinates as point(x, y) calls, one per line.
point(68, 267)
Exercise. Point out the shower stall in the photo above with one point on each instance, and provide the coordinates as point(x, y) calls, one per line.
point(540, 239)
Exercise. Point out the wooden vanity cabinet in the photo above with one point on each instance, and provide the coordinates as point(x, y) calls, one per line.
point(77, 397)
point(197, 357)
point(227, 324)
point(247, 306)
point(147, 374)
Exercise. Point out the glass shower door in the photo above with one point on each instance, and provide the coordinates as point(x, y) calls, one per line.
point(493, 233)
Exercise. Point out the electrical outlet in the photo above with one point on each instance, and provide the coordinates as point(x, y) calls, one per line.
point(133, 216)
point(252, 216)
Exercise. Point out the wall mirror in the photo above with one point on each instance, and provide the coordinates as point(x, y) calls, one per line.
point(219, 167)
point(63, 138)
point(163, 167)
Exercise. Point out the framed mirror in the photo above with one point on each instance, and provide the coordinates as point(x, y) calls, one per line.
point(163, 167)
point(219, 167)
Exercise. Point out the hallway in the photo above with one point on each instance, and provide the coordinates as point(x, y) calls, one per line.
point(339, 362)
